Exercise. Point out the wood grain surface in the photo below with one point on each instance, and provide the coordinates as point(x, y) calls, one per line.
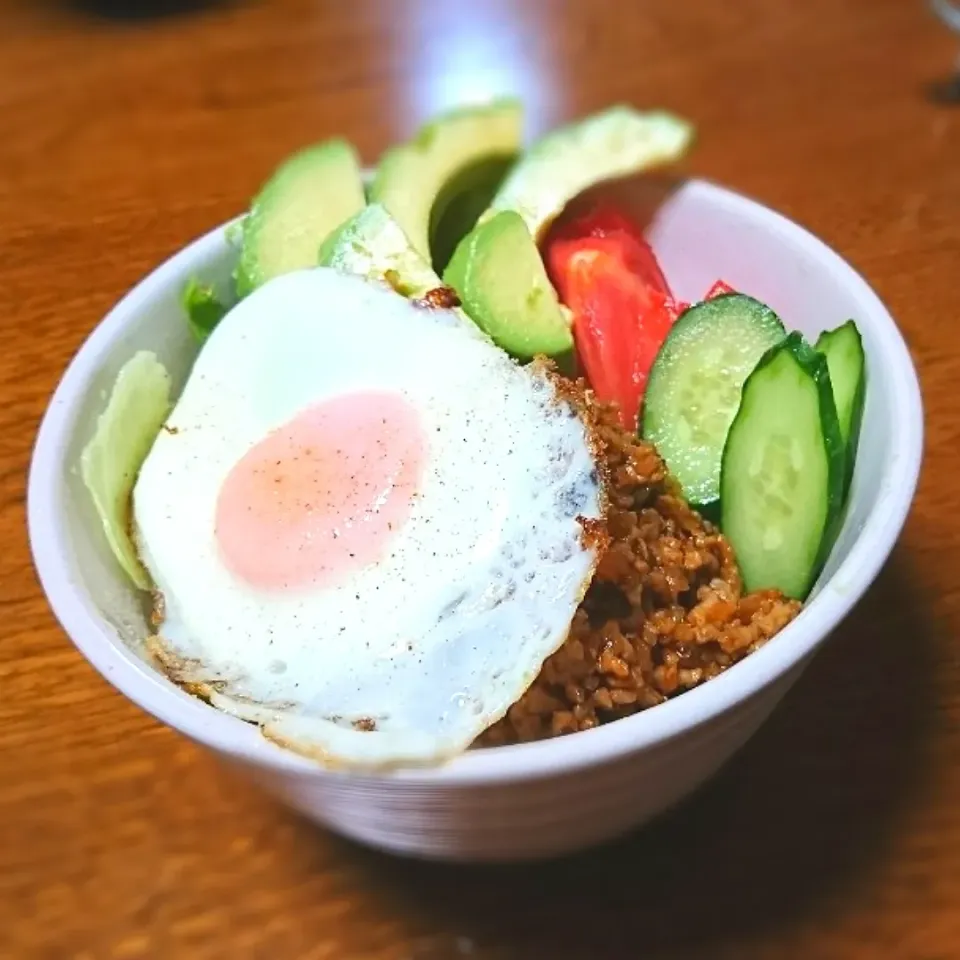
point(835, 834)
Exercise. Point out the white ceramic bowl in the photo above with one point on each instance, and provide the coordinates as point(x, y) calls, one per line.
point(531, 800)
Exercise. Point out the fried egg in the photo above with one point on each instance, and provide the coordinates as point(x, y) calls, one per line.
point(365, 522)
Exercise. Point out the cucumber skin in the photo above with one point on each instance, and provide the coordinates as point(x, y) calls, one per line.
point(856, 422)
point(859, 401)
point(815, 365)
point(709, 511)
point(688, 317)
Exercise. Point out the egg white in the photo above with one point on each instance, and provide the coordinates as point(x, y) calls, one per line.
point(437, 639)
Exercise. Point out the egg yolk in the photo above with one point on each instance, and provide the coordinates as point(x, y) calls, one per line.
point(323, 494)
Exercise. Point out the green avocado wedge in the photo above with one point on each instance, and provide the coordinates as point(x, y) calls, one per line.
point(308, 196)
point(457, 153)
point(461, 202)
point(372, 245)
point(499, 276)
point(617, 142)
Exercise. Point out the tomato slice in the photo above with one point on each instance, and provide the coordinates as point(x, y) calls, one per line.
point(605, 222)
point(599, 342)
point(718, 289)
point(608, 276)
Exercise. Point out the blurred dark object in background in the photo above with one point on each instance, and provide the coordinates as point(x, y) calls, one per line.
point(947, 91)
point(141, 9)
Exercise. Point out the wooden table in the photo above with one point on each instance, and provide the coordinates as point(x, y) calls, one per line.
point(836, 833)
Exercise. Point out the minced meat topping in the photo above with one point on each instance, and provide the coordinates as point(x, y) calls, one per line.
point(665, 611)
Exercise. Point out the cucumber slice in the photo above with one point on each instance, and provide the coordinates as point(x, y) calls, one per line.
point(694, 386)
point(781, 486)
point(843, 349)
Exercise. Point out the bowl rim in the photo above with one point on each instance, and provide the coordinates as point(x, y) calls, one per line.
point(98, 643)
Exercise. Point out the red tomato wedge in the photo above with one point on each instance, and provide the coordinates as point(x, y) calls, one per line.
point(718, 289)
point(608, 276)
point(606, 222)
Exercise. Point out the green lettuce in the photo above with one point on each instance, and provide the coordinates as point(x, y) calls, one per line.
point(138, 405)
point(203, 308)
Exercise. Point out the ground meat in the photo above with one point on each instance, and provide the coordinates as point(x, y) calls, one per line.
point(665, 610)
point(440, 298)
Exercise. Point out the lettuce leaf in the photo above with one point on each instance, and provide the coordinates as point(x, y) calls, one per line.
point(110, 462)
point(204, 310)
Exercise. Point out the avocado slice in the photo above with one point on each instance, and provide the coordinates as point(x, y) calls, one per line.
point(613, 143)
point(372, 245)
point(497, 269)
point(461, 202)
point(500, 278)
point(469, 142)
point(309, 195)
